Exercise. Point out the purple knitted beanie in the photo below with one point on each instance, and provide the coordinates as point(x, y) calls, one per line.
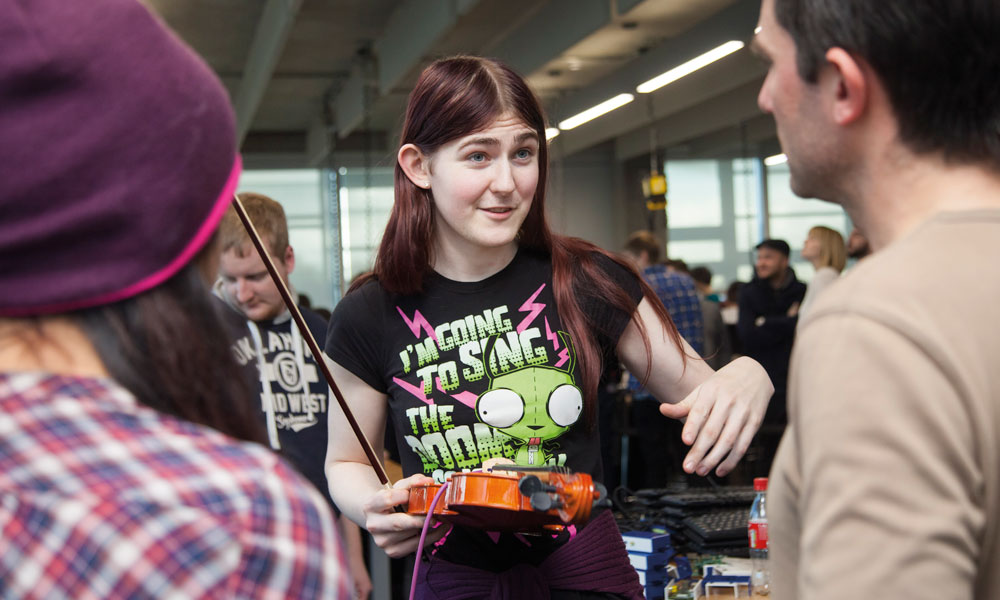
point(117, 154)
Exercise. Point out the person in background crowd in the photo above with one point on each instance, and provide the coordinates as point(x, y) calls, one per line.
point(824, 248)
point(674, 289)
point(129, 466)
point(480, 326)
point(730, 309)
point(887, 482)
point(293, 398)
point(677, 265)
point(716, 347)
point(769, 307)
point(703, 281)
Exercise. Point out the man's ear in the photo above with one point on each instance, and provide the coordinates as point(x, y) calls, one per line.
point(289, 260)
point(851, 86)
point(416, 165)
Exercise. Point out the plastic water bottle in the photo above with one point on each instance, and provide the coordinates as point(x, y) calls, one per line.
point(760, 574)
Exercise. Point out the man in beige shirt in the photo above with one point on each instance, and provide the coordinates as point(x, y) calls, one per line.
point(887, 481)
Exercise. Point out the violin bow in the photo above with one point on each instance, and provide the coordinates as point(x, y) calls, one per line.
point(286, 295)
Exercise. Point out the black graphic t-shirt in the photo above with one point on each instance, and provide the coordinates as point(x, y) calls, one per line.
point(294, 396)
point(475, 370)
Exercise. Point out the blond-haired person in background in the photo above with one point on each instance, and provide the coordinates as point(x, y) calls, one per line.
point(825, 249)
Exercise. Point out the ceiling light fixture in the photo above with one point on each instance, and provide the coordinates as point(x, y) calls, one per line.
point(551, 132)
point(689, 67)
point(596, 111)
point(777, 159)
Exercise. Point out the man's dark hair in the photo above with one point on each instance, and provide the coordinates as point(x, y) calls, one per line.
point(702, 275)
point(779, 245)
point(938, 60)
point(677, 265)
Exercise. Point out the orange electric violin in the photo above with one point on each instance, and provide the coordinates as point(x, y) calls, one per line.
point(513, 498)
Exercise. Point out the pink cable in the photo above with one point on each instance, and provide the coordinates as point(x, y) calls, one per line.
point(423, 537)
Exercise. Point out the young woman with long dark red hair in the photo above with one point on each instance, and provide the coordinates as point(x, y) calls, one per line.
point(482, 335)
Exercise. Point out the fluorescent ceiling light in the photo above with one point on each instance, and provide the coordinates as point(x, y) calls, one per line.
point(551, 132)
point(689, 67)
point(596, 111)
point(777, 159)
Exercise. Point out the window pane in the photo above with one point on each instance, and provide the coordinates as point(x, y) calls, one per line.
point(744, 187)
point(366, 198)
point(298, 190)
point(693, 194)
point(310, 275)
point(746, 233)
point(696, 252)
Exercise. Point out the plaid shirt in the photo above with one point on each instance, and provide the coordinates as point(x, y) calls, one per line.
point(103, 498)
point(679, 296)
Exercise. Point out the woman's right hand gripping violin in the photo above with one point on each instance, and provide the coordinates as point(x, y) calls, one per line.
point(397, 532)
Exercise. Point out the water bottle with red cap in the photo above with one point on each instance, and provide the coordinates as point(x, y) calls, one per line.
point(760, 574)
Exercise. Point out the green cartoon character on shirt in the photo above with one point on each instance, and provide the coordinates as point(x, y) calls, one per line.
point(532, 405)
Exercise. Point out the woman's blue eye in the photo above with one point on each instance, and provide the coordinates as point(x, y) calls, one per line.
point(523, 153)
point(477, 157)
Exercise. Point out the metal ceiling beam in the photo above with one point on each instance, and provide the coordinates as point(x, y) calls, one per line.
point(269, 40)
point(353, 99)
point(413, 28)
point(540, 40)
point(411, 31)
point(317, 143)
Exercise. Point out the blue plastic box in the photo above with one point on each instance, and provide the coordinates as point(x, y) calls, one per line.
point(645, 561)
point(646, 541)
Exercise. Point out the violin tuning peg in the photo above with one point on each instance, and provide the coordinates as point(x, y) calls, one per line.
point(602, 500)
point(529, 485)
point(602, 492)
point(541, 501)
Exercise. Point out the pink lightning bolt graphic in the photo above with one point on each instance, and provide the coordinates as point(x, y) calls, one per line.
point(563, 357)
point(417, 323)
point(532, 308)
point(554, 337)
